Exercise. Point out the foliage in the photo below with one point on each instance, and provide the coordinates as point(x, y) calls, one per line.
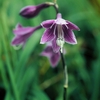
point(25, 75)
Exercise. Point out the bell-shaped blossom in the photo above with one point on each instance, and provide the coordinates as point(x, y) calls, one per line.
point(32, 11)
point(58, 31)
point(53, 57)
point(22, 34)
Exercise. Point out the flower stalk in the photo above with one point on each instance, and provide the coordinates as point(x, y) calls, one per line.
point(56, 7)
point(65, 77)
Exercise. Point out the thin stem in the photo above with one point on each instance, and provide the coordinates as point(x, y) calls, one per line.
point(65, 94)
point(65, 76)
point(54, 5)
point(56, 8)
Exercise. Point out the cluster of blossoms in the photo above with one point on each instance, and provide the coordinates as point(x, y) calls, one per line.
point(57, 32)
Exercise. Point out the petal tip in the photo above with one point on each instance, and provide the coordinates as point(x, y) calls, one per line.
point(42, 42)
point(74, 42)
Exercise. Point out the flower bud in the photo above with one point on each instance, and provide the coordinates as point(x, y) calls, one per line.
point(32, 11)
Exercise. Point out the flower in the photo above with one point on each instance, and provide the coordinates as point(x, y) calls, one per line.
point(58, 31)
point(23, 33)
point(32, 11)
point(53, 57)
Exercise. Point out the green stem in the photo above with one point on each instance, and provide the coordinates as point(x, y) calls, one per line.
point(65, 77)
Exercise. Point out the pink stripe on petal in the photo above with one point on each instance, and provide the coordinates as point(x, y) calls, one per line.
point(47, 36)
point(70, 37)
point(72, 26)
point(47, 23)
point(23, 31)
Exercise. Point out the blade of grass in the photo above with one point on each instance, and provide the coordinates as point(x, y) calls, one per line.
point(8, 65)
point(27, 81)
point(96, 73)
point(30, 46)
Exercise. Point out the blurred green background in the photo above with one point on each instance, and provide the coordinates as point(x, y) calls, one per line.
point(25, 75)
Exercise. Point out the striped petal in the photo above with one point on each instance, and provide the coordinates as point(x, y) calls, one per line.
point(47, 36)
point(69, 36)
point(23, 30)
point(47, 23)
point(72, 26)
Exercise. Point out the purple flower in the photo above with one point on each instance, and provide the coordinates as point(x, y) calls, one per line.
point(58, 31)
point(32, 11)
point(53, 57)
point(22, 34)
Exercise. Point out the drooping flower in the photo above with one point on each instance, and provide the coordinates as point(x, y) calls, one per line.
point(53, 57)
point(58, 31)
point(32, 11)
point(23, 33)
